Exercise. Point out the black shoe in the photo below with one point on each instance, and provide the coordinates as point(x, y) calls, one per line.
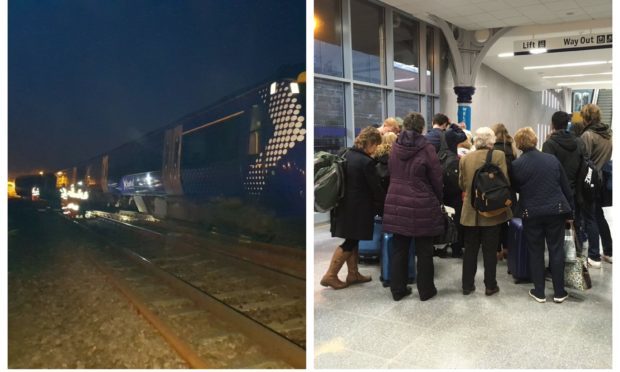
point(400, 295)
point(491, 291)
point(469, 291)
point(432, 294)
point(538, 299)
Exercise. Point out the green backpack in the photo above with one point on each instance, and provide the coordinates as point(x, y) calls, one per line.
point(329, 180)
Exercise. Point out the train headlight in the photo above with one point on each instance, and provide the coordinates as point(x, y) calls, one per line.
point(273, 88)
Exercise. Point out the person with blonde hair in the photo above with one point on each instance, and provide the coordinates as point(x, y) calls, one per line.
point(597, 140)
point(389, 125)
point(545, 205)
point(479, 230)
point(382, 155)
point(353, 218)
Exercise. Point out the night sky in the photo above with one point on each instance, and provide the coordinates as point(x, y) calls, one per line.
point(88, 75)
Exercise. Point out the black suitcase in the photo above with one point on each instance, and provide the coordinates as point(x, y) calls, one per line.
point(518, 255)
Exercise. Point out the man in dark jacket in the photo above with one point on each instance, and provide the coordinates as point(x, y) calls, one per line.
point(568, 149)
point(597, 142)
point(454, 133)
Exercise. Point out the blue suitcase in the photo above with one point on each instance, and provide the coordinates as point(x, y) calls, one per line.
point(518, 255)
point(371, 249)
point(385, 260)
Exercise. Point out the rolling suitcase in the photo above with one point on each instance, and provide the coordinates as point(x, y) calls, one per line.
point(371, 249)
point(385, 260)
point(518, 255)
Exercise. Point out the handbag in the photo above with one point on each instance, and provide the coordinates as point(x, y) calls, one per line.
point(450, 233)
point(576, 273)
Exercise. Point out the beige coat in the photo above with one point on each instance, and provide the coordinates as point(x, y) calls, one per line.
point(467, 167)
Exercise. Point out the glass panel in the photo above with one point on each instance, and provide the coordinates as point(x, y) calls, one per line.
point(328, 37)
point(367, 37)
point(406, 103)
point(581, 97)
point(429, 112)
point(430, 58)
point(369, 106)
point(406, 53)
point(329, 129)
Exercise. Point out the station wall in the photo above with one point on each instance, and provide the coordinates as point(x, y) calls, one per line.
point(499, 100)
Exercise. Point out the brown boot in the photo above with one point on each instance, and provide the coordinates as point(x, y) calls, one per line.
point(354, 276)
point(330, 279)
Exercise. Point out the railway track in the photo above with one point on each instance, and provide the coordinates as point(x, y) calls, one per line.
point(216, 311)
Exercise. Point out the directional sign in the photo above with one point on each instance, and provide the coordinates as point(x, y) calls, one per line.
point(564, 43)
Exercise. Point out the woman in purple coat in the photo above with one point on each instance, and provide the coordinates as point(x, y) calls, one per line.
point(413, 207)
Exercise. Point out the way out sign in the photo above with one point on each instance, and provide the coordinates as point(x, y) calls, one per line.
point(564, 43)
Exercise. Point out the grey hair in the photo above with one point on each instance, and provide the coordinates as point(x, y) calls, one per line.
point(484, 138)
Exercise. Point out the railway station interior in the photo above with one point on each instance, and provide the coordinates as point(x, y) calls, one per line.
point(525, 60)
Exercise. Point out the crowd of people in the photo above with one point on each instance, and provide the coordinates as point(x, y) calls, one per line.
point(394, 171)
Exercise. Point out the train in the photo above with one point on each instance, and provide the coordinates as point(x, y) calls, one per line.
point(235, 167)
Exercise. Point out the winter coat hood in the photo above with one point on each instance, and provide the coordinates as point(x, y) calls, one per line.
point(408, 144)
point(601, 129)
point(566, 141)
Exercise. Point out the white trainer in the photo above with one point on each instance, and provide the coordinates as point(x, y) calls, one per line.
point(594, 264)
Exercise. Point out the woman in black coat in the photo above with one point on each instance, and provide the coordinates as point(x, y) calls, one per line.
point(353, 218)
point(545, 204)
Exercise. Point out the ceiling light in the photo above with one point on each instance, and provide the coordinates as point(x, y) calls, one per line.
point(589, 63)
point(585, 83)
point(538, 51)
point(576, 75)
point(504, 55)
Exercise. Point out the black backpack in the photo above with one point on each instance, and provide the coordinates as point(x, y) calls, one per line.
point(329, 180)
point(588, 182)
point(450, 165)
point(490, 190)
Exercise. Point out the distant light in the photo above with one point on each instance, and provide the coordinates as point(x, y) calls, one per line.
point(538, 50)
point(35, 191)
point(41, 173)
point(272, 89)
point(59, 173)
point(586, 83)
point(504, 55)
point(294, 88)
point(576, 64)
point(80, 183)
point(576, 75)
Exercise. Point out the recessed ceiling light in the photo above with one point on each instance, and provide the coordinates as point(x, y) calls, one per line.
point(589, 63)
point(576, 75)
point(504, 55)
point(585, 83)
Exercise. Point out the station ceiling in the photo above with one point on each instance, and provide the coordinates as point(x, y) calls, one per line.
point(531, 19)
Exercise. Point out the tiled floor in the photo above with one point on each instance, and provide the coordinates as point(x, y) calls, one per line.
point(362, 327)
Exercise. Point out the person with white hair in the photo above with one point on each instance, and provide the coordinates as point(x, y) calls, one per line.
point(479, 230)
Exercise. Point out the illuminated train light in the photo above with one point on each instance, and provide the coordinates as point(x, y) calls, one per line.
point(71, 193)
point(288, 130)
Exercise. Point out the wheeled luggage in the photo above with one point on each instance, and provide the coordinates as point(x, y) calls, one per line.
point(518, 255)
point(385, 260)
point(371, 249)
